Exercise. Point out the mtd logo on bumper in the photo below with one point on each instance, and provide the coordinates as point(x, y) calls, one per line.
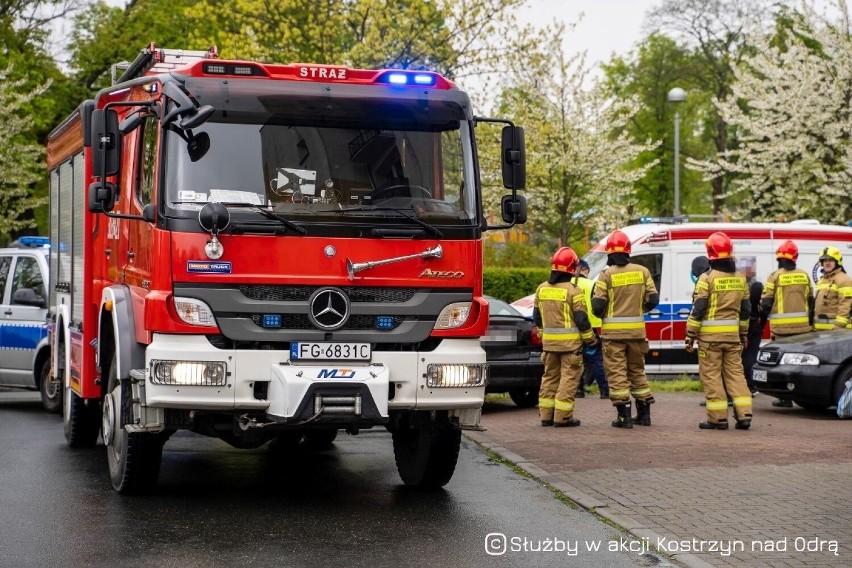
point(336, 374)
point(205, 267)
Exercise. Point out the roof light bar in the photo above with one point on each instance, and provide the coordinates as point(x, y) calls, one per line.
point(416, 78)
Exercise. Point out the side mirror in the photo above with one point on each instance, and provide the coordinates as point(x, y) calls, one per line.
point(197, 146)
point(106, 143)
point(514, 158)
point(197, 118)
point(514, 209)
point(101, 196)
point(28, 297)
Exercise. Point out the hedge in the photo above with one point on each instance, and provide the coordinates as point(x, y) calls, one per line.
point(509, 284)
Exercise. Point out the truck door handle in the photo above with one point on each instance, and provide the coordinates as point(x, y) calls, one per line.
point(8, 312)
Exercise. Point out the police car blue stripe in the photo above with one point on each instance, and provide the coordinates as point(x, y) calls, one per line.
point(14, 336)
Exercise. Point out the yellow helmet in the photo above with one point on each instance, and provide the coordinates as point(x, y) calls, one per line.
point(831, 253)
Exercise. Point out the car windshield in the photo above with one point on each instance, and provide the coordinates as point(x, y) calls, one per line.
point(500, 308)
point(597, 262)
point(329, 172)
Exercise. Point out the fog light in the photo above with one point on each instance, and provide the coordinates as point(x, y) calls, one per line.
point(791, 386)
point(190, 373)
point(441, 375)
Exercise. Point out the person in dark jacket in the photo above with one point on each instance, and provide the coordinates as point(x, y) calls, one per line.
point(756, 323)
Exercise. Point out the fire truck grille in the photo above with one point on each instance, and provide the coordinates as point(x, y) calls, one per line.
point(303, 293)
point(301, 321)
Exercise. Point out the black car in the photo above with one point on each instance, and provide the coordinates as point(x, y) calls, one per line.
point(513, 352)
point(810, 369)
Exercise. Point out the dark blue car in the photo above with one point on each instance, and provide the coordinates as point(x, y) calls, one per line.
point(809, 369)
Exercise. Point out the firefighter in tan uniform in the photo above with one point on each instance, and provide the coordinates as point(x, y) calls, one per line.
point(560, 312)
point(719, 320)
point(624, 292)
point(833, 304)
point(787, 300)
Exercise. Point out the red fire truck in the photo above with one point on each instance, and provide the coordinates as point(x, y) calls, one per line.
point(262, 252)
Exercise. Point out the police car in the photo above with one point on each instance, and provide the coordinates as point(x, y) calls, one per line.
point(24, 349)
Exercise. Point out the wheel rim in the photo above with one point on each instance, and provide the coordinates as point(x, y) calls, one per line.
point(107, 427)
point(51, 384)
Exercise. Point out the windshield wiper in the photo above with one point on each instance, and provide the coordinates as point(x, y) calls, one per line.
point(270, 215)
point(434, 230)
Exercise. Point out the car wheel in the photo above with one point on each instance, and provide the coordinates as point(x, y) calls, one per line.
point(840, 384)
point(50, 388)
point(426, 456)
point(524, 398)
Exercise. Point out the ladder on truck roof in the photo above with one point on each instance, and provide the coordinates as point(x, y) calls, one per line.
point(158, 59)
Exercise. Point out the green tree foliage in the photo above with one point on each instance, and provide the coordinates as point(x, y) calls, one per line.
point(582, 161)
point(20, 156)
point(718, 32)
point(656, 65)
point(105, 35)
point(509, 284)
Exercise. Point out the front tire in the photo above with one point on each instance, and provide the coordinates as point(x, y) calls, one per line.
point(426, 456)
point(50, 388)
point(133, 459)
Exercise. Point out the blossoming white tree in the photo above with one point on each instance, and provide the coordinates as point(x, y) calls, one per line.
point(581, 159)
point(791, 108)
point(20, 160)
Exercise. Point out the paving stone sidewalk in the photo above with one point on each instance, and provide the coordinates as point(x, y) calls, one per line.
point(779, 494)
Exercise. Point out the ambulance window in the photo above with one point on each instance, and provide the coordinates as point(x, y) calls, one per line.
point(654, 264)
point(147, 160)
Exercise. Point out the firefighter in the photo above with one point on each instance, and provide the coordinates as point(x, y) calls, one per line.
point(833, 304)
point(560, 312)
point(787, 300)
point(625, 291)
point(719, 321)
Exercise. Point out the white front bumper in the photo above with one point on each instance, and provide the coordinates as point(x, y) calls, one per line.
point(404, 370)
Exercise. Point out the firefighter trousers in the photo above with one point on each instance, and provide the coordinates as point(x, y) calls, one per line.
point(562, 372)
point(624, 362)
point(720, 367)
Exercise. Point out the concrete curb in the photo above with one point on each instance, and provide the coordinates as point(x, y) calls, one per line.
point(587, 502)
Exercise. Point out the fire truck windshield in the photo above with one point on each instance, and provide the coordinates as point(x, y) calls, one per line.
point(352, 173)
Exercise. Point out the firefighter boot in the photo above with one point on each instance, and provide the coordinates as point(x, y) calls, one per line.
point(643, 413)
point(623, 420)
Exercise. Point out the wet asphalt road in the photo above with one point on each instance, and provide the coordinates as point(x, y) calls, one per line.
point(219, 506)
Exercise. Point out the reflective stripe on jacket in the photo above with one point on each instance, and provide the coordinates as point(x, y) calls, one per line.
point(833, 302)
point(789, 293)
point(556, 304)
point(626, 290)
point(721, 307)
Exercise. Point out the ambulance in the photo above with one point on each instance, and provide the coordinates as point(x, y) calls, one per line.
point(667, 250)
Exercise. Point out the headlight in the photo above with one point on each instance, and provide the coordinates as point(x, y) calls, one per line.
point(194, 312)
point(446, 375)
point(453, 316)
point(799, 359)
point(192, 373)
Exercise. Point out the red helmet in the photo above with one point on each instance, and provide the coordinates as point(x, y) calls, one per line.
point(788, 250)
point(565, 260)
point(618, 242)
point(719, 246)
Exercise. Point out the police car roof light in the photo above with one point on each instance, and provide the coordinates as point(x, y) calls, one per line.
point(32, 242)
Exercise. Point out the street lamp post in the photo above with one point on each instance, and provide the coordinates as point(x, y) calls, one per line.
point(676, 95)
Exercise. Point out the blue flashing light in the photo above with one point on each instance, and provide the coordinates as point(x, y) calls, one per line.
point(34, 241)
point(271, 320)
point(384, 322)
point(398, 79)
point(424, 79)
